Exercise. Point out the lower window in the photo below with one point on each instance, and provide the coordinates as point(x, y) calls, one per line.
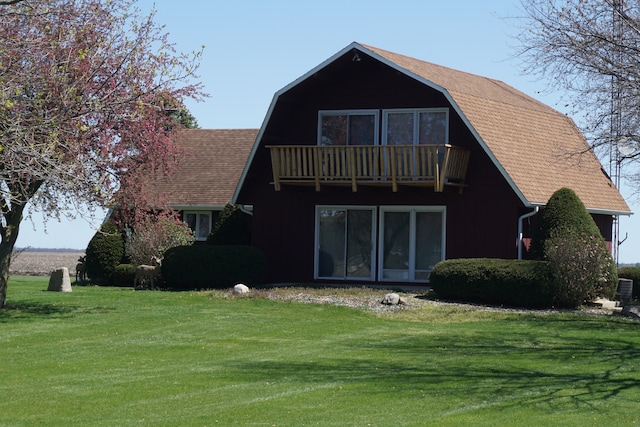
point(199, 222)
point(344, 246)
point(411, 241)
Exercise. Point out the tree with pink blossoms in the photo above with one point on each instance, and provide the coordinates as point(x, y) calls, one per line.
point(84, 86)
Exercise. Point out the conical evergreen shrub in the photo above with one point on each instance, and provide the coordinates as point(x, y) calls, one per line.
point(104, 252)
point(569, 239)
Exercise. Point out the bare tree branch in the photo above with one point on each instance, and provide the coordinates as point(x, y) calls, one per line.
point(589, 50)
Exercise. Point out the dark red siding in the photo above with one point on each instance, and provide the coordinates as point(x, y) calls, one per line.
point(480, 222)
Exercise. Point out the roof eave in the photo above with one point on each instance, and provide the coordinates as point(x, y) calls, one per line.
point(597, 211)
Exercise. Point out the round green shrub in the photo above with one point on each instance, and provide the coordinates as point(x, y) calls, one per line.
point(569, 239)
point(513, 283)
point(123, 275)
point(104, 252)
point(212, 267)
point(231, 228)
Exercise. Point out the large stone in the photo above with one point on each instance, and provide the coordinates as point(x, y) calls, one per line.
point(240, 289)
point(60, 281)
point(393, 299)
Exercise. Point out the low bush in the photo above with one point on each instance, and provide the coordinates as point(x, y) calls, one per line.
point(153, 235)
point(493, 281)
point(581, 269)
point(124, 274)
point(212, 267)
point(631, 273)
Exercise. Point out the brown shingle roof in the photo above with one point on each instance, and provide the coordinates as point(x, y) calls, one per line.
point(210, 169)
point(538, 148)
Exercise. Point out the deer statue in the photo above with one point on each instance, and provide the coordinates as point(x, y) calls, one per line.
point(150, 272)
point(81, 270)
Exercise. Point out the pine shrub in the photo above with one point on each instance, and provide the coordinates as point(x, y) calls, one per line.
point(233, 227)
point(104, 252)
point(569, 239)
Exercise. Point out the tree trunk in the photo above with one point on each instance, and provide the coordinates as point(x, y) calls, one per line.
point(9, 236)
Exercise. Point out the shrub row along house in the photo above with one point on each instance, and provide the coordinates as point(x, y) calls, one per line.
point(373, 166)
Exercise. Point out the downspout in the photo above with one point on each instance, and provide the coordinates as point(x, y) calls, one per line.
point(243, 209)
point(520, 226)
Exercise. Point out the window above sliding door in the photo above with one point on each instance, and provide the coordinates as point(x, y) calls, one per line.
point(348, 127)
point(412, 127)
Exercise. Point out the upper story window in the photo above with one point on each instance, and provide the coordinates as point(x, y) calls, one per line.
point(353, 127)
point(406, 127)
point(399, 127)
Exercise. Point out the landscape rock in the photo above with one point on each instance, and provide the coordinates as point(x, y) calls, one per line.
point(60, 281)
point(240, 289)
point(631, 311)
point(393, 299)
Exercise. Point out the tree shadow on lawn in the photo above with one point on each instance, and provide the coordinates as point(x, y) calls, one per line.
point(511, 369)
point(33, 310)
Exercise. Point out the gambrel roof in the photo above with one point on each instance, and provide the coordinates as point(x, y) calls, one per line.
point(536, 148)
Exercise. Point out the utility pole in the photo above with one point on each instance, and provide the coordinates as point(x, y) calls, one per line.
point(616, 125)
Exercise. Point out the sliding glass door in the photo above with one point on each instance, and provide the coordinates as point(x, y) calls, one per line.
point(345, 243)
point(411, 242)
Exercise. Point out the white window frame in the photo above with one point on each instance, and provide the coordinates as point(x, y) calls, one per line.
point(412, 239)
point(416, 121)
point(374, 244)
point(375, 113)
point(198, 216)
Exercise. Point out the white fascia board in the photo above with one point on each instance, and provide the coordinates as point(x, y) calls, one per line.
point(597, 211)
point(609, 212)
point(197, 207)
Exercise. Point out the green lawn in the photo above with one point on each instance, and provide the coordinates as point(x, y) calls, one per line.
point(115, 357)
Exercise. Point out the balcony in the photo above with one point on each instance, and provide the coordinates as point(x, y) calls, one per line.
point(434, 166)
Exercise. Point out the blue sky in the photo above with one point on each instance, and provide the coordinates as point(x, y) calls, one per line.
point(254, 48)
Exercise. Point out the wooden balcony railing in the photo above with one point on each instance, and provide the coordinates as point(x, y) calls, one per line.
point(382, 165)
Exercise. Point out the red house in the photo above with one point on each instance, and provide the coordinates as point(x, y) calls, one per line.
point(374, 166)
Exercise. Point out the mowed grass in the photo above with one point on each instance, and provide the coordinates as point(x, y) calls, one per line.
point(115, 357)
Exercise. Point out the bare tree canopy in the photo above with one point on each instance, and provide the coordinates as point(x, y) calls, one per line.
point(590, 49)
point(83, 90)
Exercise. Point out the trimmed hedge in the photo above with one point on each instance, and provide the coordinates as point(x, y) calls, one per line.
point(511, 283)
point(124, 275)
point(212, 267)
point(631, 273)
